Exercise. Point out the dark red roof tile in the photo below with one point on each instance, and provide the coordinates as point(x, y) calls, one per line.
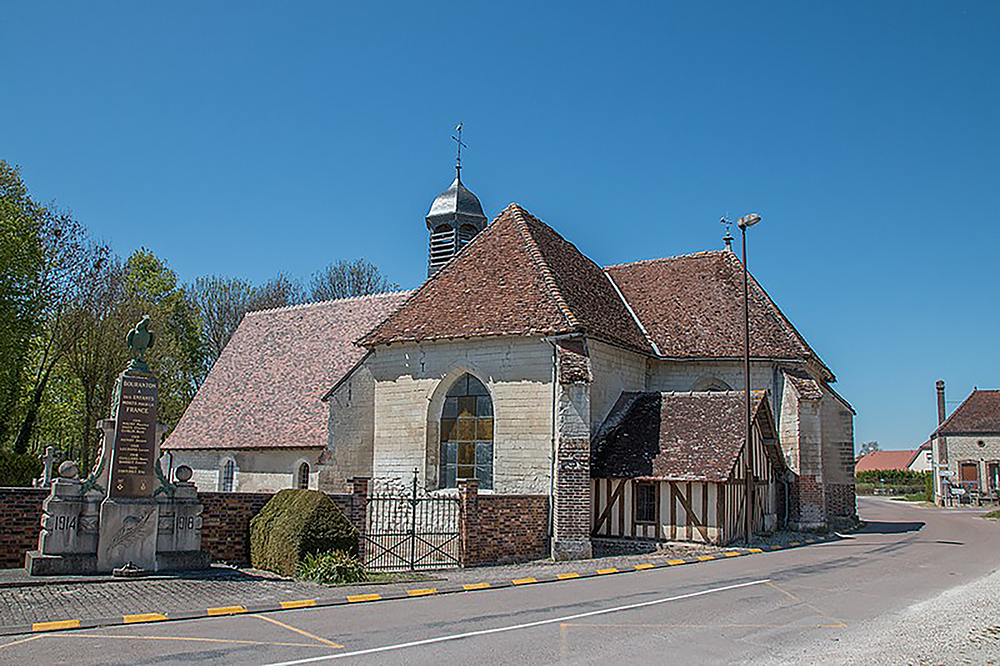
point(694, 436)
point(978, 414)
point(692, 307)
point(264, 391)
point(517, 277)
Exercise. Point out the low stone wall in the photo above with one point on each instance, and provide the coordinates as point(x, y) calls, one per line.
point(502, 529)
point(20, 522)
point(225, 533)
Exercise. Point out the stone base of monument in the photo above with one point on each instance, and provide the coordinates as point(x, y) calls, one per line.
point(37, 563)
point(128, 534)
point(185, 560)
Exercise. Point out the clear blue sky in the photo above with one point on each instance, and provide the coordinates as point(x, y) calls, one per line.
point(246, 139)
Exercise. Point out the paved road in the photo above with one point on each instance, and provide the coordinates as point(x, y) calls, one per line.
point(769, 607)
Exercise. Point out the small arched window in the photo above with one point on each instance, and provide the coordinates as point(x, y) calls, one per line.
point(302, 478)
point(711, 384)
point(467, 434)
point(228, 477)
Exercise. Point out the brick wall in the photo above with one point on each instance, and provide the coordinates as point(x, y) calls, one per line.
point(502, 529)
point(225, 532)
point(841, 501)
point(20, 522)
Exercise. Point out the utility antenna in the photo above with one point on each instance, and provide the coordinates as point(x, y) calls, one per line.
point(728, 238)
point(458, 157)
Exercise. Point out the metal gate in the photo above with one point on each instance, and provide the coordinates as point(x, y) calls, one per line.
point(408, 530)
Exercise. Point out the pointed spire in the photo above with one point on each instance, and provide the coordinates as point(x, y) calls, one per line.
point(458, 157)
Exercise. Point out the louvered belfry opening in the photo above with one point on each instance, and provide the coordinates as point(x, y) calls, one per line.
point(455, 217)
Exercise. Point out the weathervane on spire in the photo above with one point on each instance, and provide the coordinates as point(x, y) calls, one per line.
point(458, 158)
point(728, 238)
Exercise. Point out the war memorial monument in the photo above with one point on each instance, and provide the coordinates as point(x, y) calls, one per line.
point(126, 516)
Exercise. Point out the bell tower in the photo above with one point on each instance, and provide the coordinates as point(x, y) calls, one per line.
point(455, 217)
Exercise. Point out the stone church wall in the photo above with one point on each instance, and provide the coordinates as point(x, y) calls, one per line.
point(837, 424)
point(410, 384)
point(350, 432)
point(257, 470)
point(615, 370)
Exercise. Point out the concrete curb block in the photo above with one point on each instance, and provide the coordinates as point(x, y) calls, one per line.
point(148, 617)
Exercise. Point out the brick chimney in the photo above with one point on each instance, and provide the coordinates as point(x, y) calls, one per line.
point(942, 447)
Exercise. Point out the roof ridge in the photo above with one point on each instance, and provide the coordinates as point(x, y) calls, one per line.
point(701, 253)
point(942, 426)
point(312, 304)
point(523, 219)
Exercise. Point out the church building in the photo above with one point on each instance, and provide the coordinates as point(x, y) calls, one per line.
point(524, 365)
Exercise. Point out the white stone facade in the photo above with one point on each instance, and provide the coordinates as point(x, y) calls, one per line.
point(255, 470)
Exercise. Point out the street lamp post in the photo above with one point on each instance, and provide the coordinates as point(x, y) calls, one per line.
point(744, 223)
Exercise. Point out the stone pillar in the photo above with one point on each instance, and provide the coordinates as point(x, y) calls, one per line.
point(64, 547)
point(571, 502)
point(809, 509)
point(359, 510)
point(178, 534)
point(468, 519)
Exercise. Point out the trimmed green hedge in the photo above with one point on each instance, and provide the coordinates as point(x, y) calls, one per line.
point(892, 477)
point(18, 470)
point(296, 523)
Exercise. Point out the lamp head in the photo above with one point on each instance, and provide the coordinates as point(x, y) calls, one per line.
point(748, 221)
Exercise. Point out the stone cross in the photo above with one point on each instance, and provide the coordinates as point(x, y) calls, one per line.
point(49, 459)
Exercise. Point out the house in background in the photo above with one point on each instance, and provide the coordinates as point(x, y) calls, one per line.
point(923, 458)
point(885, 460)
point(966, 448)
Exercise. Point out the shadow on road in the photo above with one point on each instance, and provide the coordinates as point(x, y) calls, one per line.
point(883, 527)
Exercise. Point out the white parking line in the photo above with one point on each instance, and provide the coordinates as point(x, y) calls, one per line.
point(516, 627)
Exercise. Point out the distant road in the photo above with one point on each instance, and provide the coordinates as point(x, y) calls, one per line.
point(818, 603)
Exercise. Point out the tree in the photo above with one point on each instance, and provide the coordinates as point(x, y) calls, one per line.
point(222, 302)
point(869, 447)
point(21, 221)
point(64, 264)
point(343, 279)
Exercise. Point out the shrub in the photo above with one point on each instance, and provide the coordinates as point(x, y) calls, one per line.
point(891, 477)
point(929, 487)
point(331, 568)
point(294, 524)
point(18, 470)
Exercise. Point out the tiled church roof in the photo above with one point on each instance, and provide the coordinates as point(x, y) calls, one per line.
point(978, 414)
point(264, 390)
point(692, 436)
point(517, 277)
point(692, 307)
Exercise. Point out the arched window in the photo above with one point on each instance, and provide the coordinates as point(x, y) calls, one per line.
point(711, 384)
point(465, 234)
point(302, 478)
point(467, 434)
point(228, 476)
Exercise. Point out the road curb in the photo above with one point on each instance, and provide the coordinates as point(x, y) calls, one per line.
point(148, 617)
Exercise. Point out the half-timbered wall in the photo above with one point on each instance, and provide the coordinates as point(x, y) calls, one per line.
point(706, 512)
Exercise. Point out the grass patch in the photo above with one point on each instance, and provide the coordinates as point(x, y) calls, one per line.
point(993, 514)
point(912, 497)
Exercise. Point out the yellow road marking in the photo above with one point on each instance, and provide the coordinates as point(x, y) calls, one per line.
point(54, 626)
point(354, 598)
point(143, 617)
point(226, 610)
point(475, 586)
point(421, 592)
point(675, 562)
point(795, 543)
point(182, 638)
point(567, 576)
point(706, 558)
point(607, 571)
point(732, 553)
point(301, 632)
point(755, 550)
point(301, 603)
point(18, 642)
point(524, 581)
point(640, 567)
